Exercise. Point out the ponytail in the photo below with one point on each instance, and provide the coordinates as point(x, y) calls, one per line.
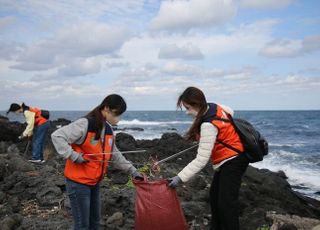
point(24, 107)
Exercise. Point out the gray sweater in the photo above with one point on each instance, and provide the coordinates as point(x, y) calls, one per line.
point(75, 133)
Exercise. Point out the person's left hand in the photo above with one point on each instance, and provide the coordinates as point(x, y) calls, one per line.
point(137, 175)
point(174, 182)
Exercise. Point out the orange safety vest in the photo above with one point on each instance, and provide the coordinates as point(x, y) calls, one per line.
point(226, 133)
point(93, 171)
point(38, 119)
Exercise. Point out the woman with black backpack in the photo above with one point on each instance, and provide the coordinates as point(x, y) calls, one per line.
point(210, 128)
point(37, 128)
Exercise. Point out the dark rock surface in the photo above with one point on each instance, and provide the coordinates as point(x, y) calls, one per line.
point(33, 196)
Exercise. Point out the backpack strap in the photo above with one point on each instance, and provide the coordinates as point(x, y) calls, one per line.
point(234, 126)
point(222, 119)
point(210, 114)
point(228, 146)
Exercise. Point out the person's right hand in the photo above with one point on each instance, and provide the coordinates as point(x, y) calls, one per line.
point(80, 159)
point(21, 137)
point(138, 175)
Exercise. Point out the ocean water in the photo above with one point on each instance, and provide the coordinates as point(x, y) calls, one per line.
point(293, 136)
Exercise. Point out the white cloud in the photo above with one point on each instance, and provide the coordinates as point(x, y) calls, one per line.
point(175, 68)
point(245, 38)
point(312, 70)
point(290, 48)
point(62, 11)
point(89, 39)
point(116, 64)
point(64, 39)
point(166, 79)
point(242, 74)
point(80, 67)
point(184, 15)
point(5, 22)
point(195, 72)
point(155, 87)
point(186, 52)
point(298, 81)
point(266, 4)
point(69, 44)
point(48, 90)
point(311, 43)
point(137, 74)
point(281, 48)
point(9, 50)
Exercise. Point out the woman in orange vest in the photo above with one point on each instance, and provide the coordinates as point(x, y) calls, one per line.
point(88, 145)
point(229, 166)
point(37, 128)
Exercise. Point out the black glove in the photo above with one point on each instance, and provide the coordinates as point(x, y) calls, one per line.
point(174, 181)
point(21, 137)
point(137, 175)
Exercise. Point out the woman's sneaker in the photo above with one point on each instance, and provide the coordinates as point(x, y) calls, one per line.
point(35, 161)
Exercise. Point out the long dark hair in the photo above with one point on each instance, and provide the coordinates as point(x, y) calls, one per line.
point(194, 97)
point(14, 107)
point(25, 107)
point(115, 103)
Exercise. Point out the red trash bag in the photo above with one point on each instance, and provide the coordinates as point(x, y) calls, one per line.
point(157, 207)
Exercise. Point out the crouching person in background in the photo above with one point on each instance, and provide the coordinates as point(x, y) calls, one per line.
point(88, 144)
point(37, 126)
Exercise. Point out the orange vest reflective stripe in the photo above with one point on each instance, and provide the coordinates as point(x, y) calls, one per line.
point(226, 133)
point(38, 119)
point(91, 172)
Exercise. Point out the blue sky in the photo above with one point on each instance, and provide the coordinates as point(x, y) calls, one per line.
point(248, 54)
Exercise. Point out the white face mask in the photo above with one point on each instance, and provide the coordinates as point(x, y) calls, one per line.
point(110, 117)
point(113, 120)
point(192, 113)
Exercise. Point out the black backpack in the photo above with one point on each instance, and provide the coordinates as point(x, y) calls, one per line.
point(254, 144)
point(45, 114)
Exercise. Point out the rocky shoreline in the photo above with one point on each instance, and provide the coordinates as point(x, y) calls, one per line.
point(32, 196)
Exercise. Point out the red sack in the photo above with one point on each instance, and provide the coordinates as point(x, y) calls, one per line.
point(157, 207)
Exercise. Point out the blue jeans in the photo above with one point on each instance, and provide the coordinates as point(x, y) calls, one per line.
point(85, 205)
point(38, 139)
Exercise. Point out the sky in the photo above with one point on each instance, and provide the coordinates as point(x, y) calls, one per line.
point(247, 54)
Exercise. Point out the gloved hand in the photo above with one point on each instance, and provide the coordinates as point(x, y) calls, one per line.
point(174, 182)
point(21, 137)
point(80, 159)
point(137, 175)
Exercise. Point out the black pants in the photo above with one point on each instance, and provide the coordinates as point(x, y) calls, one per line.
point(224, 193)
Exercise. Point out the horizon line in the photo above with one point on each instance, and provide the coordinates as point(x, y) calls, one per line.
point(165, 110)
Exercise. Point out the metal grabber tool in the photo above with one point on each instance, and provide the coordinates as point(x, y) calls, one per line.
point(155, 165)
point(122, 152)
point(27, 148)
